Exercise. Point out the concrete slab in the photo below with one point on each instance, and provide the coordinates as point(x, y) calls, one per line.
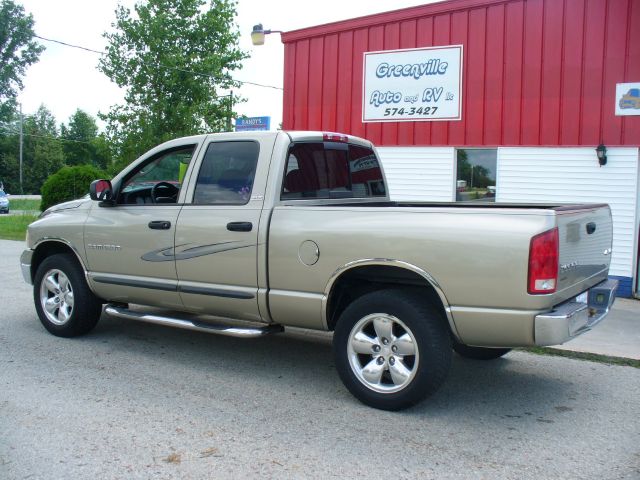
point(617, 336)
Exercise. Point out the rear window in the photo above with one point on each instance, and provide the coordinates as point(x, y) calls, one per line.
point(332, 170)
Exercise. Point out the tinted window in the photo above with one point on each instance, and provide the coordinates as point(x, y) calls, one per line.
point(227, 173)
point(332, 170)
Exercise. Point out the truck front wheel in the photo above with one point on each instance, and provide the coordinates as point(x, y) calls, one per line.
point(65, 304)
point(391, 349)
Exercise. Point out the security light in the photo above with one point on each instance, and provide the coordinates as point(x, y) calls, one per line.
point(601, 151)
point(258, 33)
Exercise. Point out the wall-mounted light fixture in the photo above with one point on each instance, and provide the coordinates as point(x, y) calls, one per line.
point(258, 33)
point(601, 151)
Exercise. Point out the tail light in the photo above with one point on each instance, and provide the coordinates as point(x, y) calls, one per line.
point(543, 263)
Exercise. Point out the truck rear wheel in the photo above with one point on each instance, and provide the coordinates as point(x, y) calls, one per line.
point(479, 353)
point(65, 304)
point(391, 349)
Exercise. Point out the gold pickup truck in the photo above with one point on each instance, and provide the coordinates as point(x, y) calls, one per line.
point(244, 233)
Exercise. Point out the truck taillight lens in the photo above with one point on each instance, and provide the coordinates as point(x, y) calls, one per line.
point(543, 263)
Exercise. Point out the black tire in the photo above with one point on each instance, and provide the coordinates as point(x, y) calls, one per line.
point(429, 368)
point(85, 309)
point(479, 353)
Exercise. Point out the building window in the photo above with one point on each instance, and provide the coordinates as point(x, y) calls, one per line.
point(476, 174)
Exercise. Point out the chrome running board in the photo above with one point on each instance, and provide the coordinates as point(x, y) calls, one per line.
point(192, 324)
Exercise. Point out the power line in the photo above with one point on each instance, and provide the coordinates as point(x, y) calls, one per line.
point(60, 42)
point(51, 137)
point(69, 44)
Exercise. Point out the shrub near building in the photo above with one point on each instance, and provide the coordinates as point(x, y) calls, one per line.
point(68, 183)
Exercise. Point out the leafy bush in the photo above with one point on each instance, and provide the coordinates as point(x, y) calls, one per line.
point(68, 183)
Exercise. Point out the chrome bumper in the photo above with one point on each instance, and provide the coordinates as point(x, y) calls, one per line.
point(25, 265)
point(570, 319)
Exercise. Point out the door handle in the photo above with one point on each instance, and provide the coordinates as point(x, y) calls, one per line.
point(239, 226)
point(160, 225)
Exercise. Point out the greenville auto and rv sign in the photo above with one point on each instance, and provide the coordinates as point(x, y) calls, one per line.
point(419, 84)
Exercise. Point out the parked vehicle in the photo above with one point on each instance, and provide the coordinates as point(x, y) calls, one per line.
point(631, 99)
point(4, 202)
point(273, 229)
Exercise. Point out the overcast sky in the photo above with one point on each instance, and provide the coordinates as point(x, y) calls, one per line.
point(66, 78)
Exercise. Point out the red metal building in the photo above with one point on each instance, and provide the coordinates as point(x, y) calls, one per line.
point(535, 71)
point(538, 94)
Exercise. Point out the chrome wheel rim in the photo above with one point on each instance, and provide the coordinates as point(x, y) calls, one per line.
point(56, 297)
point(383, 353)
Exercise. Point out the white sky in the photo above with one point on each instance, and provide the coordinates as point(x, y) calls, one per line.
point(66, 78)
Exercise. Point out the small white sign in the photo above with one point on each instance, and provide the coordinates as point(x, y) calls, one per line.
point(418, 84)
point(628, 99)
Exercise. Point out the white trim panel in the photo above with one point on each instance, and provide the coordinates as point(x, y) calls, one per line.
point(572, 175)
point(425, 174)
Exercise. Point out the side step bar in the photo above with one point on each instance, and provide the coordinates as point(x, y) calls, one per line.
point(189, 324)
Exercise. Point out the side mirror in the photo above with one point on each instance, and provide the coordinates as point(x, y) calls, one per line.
point(101, 190)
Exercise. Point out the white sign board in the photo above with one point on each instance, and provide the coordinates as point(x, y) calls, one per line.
point(418, 84)
point(628, 98)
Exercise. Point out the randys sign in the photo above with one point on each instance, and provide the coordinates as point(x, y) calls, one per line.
point(418, 84)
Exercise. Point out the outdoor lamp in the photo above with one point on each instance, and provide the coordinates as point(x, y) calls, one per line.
point(601, 151)
point(258, 33)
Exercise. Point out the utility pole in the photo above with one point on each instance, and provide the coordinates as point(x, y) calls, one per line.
point(230, 113)
point(21, 189)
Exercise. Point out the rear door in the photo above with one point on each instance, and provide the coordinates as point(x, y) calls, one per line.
point(217, 230)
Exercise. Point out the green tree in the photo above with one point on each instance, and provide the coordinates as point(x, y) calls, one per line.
point(18, 50)
point(9, 164)
point(173, 57)
point(42, 150)
point(79, 139)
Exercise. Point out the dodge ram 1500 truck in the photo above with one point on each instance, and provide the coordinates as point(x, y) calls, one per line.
point(244, 233)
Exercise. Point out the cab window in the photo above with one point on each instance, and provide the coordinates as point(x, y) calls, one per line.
point(227, 173)
point(332, 170)
point(157, 181)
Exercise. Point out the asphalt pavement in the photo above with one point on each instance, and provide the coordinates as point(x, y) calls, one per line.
point(134, 400)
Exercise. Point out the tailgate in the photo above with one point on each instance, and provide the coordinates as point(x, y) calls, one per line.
point(585, 234)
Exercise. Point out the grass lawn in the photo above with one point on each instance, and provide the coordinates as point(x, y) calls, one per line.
point(594, 357)
point(14, 227)
point(24, 204)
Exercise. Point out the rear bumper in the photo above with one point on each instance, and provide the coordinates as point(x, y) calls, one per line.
point(570, 319)
point(25, 265)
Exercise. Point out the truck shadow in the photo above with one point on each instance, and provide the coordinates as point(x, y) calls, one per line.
point(521, 386)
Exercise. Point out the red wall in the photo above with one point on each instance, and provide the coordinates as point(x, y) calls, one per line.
point(535, 72)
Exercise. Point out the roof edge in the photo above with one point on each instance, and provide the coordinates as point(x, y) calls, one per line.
point(445, 6)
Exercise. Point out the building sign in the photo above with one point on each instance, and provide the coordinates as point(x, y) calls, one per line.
point(628, 98)
point(253, 124)
point(418, 84)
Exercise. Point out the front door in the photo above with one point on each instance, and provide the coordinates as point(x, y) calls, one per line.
point(130, 245)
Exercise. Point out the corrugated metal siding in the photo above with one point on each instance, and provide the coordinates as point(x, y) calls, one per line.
point(536, 72)
point(572, 175)
point(419, 173)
